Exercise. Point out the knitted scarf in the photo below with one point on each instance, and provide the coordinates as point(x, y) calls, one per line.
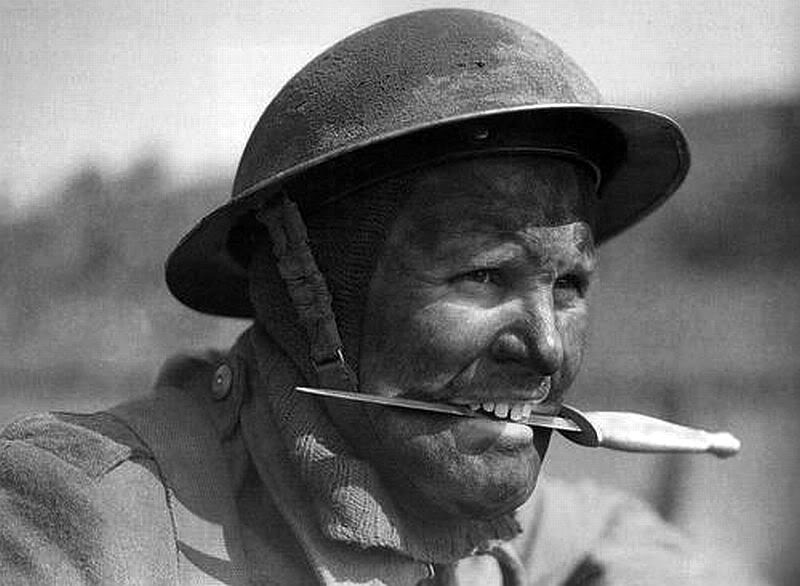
point(351, 503)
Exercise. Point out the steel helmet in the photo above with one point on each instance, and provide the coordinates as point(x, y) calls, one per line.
point(411, 91)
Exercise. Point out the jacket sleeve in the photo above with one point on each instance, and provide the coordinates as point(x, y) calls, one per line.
point(77, 507)
point(585, 535)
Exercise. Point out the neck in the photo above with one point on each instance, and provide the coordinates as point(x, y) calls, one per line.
point(350, 502)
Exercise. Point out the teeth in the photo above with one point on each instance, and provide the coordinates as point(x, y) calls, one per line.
point(513, 411)
point(517, 410)
point(501, 410)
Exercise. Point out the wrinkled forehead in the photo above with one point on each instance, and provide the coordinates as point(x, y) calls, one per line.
point(502, 194)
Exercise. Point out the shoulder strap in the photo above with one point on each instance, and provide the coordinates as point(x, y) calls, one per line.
point(95, 443)
point(183, 440)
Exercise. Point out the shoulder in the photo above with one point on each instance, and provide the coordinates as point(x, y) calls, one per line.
point(77, 492)
point(592, 509)
point(89, 444)
point(585, 533)
point(563, 523)
point(104, 497)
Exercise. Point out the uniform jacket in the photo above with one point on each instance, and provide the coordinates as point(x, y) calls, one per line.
point(161, 491)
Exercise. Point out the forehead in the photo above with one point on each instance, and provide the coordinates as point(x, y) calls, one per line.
point(495, 195)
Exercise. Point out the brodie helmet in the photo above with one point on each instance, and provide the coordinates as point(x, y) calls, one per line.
point(414, 90)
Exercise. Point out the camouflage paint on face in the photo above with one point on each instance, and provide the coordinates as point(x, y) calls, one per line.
point(480, 296)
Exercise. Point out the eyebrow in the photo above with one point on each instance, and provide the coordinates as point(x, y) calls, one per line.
point(499, 254)
point(492, 247)
point(581, 253)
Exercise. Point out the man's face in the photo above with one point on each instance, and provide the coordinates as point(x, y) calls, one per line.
point(479, 299)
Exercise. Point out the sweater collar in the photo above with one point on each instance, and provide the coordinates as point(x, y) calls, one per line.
point(289, 436)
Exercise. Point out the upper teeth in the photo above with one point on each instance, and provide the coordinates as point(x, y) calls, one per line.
point(514, 411)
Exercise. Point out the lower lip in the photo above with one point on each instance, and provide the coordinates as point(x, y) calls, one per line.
point(480, 434)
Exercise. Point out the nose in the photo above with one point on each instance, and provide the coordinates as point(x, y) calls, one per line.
point(533, 339)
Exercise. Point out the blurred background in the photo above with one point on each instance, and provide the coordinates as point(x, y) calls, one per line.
point(122, 123)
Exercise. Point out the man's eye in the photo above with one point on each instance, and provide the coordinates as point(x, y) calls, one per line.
point(481, 276)
point(571, 284)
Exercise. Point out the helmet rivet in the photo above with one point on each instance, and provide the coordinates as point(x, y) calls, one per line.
point(222, 382)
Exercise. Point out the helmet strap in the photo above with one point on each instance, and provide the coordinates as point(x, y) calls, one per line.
point(308, 292)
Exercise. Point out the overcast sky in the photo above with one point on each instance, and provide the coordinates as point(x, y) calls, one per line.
point(103, 82)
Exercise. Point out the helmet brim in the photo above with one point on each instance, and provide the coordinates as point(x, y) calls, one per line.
point(643, 157)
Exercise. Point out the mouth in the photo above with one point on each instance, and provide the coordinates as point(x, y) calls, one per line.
point(513, 411)
point(508, 408)
point(539, 418)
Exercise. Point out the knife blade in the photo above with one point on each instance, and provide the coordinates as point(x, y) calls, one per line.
point(534, 419)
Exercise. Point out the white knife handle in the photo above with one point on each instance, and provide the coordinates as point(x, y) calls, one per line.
point(633, 432)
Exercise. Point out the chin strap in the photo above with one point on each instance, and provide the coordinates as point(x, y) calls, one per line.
point(308, 292)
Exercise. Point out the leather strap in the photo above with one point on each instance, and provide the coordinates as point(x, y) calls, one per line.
point(308, 291)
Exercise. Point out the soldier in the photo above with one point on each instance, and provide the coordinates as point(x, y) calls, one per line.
point(416, 215)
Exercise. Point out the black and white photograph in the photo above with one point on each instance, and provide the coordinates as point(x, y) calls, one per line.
point(393, 293)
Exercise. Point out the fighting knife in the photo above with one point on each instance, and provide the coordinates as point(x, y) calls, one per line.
point(615, 430)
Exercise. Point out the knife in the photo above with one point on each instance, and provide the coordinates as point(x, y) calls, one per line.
point(615, 430)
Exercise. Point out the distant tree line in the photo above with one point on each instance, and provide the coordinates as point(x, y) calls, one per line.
point(86, 271)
